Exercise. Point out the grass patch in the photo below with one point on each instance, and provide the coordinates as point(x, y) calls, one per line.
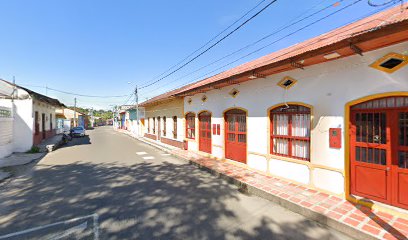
point(34, 149)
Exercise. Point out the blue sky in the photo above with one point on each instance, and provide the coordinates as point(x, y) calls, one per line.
point(101, 47)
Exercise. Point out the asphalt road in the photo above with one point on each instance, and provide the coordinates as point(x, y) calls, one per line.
point(137, 192)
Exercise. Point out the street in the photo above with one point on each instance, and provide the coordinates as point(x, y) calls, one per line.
point(139, 192)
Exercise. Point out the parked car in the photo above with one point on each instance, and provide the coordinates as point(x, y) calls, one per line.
point(78, 132)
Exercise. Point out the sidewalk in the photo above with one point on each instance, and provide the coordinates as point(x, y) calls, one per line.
point(15, 160)
point(357, 221)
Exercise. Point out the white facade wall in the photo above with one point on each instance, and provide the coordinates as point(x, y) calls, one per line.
point(6, 133)
point(327, 88)
point(169, 110)
point(22, 126)
point(48, 110)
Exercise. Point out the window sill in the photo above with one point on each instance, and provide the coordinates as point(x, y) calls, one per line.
point(289, 159)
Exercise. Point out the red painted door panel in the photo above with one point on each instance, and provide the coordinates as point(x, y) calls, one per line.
point(400, 164)
point(205, 132)
point(370, 150)
point(367, 177)
point(236, 135)
point(379, 150)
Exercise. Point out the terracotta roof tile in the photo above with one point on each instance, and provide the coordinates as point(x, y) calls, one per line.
point(369, 24)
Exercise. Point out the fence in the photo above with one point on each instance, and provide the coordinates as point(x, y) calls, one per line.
point(6, 132)
point(5, 112)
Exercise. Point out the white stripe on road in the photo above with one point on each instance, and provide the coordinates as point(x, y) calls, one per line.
point(77, 229)
point(147, 158)
point(141, 153)
point(94, 216)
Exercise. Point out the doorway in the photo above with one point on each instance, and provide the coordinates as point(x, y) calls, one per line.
point(44, 134)
point(379, 150)
point(204, 132)
point(235, 135)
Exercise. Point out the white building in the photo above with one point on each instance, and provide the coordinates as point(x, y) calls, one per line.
point(330, 113)
point(164, 120)
point(33, 117)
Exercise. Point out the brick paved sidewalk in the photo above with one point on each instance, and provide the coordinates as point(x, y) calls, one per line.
point(327, 209)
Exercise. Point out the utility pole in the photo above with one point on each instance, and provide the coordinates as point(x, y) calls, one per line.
point(137, 111)
point(75, 102)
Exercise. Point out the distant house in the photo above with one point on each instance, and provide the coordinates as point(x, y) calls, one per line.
point(33, 117)
point(164, 120)
point(132, 123)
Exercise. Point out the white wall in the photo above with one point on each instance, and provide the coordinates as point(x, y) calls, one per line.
point(327, 88)
point(6, 133)
point(48, 110)
point(23, 125)
point(167, 109)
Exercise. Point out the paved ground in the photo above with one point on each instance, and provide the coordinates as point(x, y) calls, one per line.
point(139, 192)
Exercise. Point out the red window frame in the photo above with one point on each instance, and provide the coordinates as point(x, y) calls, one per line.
point(164, 126)
point(37, 124)
point(290, 111)
point(190, 126)
point(175, 127)
point(154, 125)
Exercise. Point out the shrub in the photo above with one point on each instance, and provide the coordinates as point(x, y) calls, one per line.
point(34, 149)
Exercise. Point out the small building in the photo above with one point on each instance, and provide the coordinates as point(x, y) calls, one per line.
point(330, 113)
point(164, 119)
point(135, 123)
point(33, 114)
point(70, 116)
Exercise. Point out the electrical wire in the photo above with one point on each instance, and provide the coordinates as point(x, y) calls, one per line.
point(262, 39)
point(71, 93)
point(84, 95)
point(212, 39)
point(371, 13)
point(370, 2)
point(210, 47)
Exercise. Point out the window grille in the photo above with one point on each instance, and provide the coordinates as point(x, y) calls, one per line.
point(175, 127)
point(190, 125)
point(5, 112)
point(290, 131)
point(164, 126)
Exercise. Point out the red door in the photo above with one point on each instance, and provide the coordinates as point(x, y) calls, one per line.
point(379, 150)
point(235, 135)
point(205, 132)
point(400, 164)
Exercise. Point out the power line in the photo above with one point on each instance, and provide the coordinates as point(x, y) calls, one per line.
point(212, 39)
point(308, 25)
point(210, 47)
point(84, 95)
point(263, 38)
point(370, 2)
point(74, 94)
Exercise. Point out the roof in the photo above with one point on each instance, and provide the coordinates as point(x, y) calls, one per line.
point(386, 22)
point(43, 98)
point(38, 96)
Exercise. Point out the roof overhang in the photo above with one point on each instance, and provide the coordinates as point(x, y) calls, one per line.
point(364, 42)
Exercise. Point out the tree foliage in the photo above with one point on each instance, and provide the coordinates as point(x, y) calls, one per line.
point(103, 114)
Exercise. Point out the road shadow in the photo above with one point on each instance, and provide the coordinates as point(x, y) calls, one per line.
point(141, 201)
point(76, 141)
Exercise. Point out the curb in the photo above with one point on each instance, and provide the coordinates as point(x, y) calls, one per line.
point(244, 187)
